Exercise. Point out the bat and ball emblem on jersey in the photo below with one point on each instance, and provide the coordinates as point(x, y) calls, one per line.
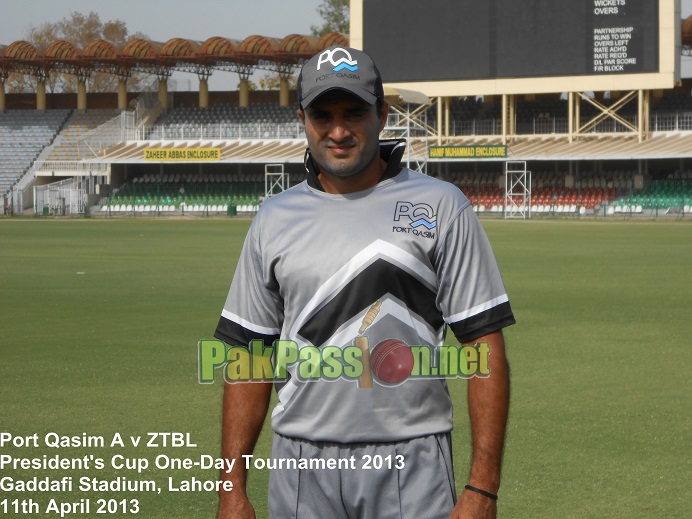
point(391, 361)
point(417, 219)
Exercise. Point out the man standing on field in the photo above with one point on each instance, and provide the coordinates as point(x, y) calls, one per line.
point(369, 251)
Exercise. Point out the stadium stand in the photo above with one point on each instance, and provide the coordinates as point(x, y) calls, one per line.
point(547, 114)
point(485, 190)
point(67, 145)
point(225, 113)
point(606, 186)
point(216, 193)
point(225, 121)
point(23, 135)
point(597, 163)
point(188, 193)
point(661, 194)
point(676, 101)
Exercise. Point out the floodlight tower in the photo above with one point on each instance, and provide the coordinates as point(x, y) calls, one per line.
point(407, 120)
point(275, 180)
point(517, 190)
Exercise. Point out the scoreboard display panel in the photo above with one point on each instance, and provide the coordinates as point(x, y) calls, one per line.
point(441, 41)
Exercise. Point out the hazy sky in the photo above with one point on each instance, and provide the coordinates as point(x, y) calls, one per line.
point(162, 20)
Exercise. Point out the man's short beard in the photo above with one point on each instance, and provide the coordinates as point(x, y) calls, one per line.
point(341, 172)
point(346, 170)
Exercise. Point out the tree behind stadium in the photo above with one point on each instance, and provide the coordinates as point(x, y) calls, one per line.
point(335, 17)
point(80, 30)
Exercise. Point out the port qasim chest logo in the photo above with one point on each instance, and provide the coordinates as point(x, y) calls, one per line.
point(418, 219)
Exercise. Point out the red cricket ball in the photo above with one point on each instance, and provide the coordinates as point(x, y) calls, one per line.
point(391, 361)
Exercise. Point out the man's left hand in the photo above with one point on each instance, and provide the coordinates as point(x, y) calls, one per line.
point(472, 505)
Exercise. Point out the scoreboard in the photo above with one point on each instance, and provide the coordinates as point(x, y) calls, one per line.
point(520, 46)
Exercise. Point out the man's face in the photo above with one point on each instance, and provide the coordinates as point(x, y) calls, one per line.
point(343, 133)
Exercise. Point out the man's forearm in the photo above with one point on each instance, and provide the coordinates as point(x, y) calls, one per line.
point(245, 407)
point(488, 400)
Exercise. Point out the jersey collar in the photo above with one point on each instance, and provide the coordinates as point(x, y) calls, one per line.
point(391, 151)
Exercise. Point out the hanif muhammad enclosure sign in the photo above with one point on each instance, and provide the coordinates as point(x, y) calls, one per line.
point(467, 152)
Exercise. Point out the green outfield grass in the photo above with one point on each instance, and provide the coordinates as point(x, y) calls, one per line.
point(101, 318)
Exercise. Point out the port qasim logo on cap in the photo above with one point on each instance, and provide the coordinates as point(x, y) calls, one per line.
point(339, 58)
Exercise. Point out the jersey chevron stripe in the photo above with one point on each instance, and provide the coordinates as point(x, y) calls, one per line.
point(248, 325)
point(379, 249)
point(374, 282)
point(478, 309)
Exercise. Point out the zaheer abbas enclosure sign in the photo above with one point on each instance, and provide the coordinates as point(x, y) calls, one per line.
point(182, 154)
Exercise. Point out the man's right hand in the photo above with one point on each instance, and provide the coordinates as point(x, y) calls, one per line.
point(236, 507)
point(244, 409)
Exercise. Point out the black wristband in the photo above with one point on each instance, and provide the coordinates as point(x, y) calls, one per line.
point(482, 492)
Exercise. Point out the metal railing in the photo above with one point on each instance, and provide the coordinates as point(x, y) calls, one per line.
point(476, 127)
point(145, 102)
point(117, 130)
point(60, 198)
point(658, 122)
point(663, 121)
point(222, 131)
point(71, 165)
point(122, 128)
point(671, 121)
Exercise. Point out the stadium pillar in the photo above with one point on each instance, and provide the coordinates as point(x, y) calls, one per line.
point(570, 116)
point(283, 91)
point(81, 95)
point(644, 113)
point(504, 118)
point(244, 93)
point(439, 119)
point(122, 94)
point(447, 115)
point(577, 114)
point(41, 95)
point(203, 93)
point(574, 116)
point(508, 117)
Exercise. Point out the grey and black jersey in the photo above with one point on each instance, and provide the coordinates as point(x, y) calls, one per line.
point(314, 263)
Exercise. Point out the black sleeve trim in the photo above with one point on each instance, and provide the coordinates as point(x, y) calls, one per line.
point(486, 322)
point(235, 335)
